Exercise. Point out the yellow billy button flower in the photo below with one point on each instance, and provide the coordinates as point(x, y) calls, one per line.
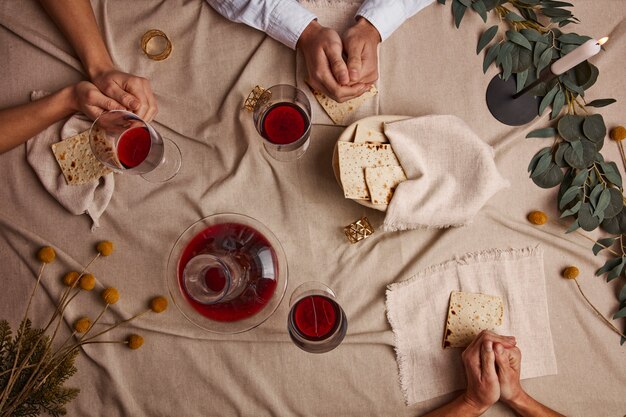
point(110, 295)
point(134, 341)
point(46, 254)
point(105, 248)
point(618, 133)
point(87, 282)
point(158, 304)
point(70, 278)
point(571, 272)
point(82, 325)
point(537, 217)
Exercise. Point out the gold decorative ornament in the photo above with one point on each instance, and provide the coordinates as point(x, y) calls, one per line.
point(255, 96)
point(359, 230)
point(147, 46)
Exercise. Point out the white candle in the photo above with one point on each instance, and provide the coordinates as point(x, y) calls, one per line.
point(578, 55)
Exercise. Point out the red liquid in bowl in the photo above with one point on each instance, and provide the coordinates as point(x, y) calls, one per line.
point(316, 317)
point(133, 146)
point(284, 123)
point(233, 237)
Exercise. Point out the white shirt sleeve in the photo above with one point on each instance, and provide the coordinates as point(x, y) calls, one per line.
point(389, 15)
point(283, 20)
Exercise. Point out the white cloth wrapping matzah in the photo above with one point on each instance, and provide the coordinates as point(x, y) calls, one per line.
point(417, 309)
point(451, 173)
point(91, 199)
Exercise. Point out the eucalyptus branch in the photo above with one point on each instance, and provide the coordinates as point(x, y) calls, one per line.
point(604, 319)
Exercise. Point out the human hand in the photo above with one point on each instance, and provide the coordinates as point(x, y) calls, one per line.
point(328, 73)
point(483, 388)
point(361, 45)
point(87, 99)
point(132, 92)
point(509, 363)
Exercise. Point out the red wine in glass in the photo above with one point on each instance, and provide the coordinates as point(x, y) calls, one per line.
point(316, 317)
point(284, 123)
point(316, 322)
point(133, 146)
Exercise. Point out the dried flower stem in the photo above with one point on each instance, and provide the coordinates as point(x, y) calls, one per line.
point(621, 152)
point(608, 323)
point(14, 374)
point(588, 238)
point(106, 306)
point(114, 326)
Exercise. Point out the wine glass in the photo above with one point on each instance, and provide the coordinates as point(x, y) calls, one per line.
point(316, 321)
point(124, 142)
point(282, 116)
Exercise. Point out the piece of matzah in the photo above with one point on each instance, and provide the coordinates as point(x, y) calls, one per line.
point(370, 132)
point(77, 162)
point(354, 158)
point(468, 315)
point(382, 182)
point(338, 111)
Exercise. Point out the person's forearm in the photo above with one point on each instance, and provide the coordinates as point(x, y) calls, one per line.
point(18, 124)
point(458, 407)
point(526, 406)
point(76, 20)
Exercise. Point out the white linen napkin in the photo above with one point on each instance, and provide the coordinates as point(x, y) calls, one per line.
point(91, 199)
point(451, 173)
point(337, 15)
point(417, 309)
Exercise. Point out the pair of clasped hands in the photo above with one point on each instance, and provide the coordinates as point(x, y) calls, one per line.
point(342, 67)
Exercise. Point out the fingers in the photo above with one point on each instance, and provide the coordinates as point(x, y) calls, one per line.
point(355, 51)
point(337, 64)
point(487, 360)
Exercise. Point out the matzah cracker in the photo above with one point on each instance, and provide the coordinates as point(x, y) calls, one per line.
point(77, 162)
point(370, 132)
point(382, 182)
point(354, 158)
point(338, 111)
point(468, 315)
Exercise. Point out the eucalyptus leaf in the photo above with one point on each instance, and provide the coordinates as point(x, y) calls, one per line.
point(507, 67)
point(522, 59)
point(581, 155)
point(521, 80)
point(615, 272)
point(620, 314)
point(601, 102)
point(542, 165)
point(519, 39)
point(569, 196)
point(603, 202)
point(559, 155)
point(557, 4)
point(616, 224)
point(594, 77)
point(611, 173)
point(622, 294)
point(580, 178)
point(480, 8)
point(547, 132)
point(571, 86)
point(556, 12)
point(581, 73)
point(486, 37)
point(570, 127)
point(533, 35)
point(608, 265)
point(595, 194)
point(586, 220)
point(570, 212)
point(458, 11)
point(544, 60)
point(513, 17)
point(505, 50)
point(572, 227)
point(533, 162)
point(490, 56)
point(557, 104)
point(573, 38)
point(539, 49)
point(594, 127)
point(441, 1)
point(491, 4)
point(603, 244)
point(616, 203)
point(466, 3)
point(551, 178)
point(547, 99)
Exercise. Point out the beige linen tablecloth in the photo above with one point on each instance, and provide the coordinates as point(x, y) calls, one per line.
point(182, 370)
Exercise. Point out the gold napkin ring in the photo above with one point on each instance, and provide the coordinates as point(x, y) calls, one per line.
point(359, 230)
point(254, 97)
point(155, 33)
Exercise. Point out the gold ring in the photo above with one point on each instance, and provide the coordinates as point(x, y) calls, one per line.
point(155, 33)
point(359, 230)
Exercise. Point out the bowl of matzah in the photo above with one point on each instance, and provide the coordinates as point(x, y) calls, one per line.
point(364, 163)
